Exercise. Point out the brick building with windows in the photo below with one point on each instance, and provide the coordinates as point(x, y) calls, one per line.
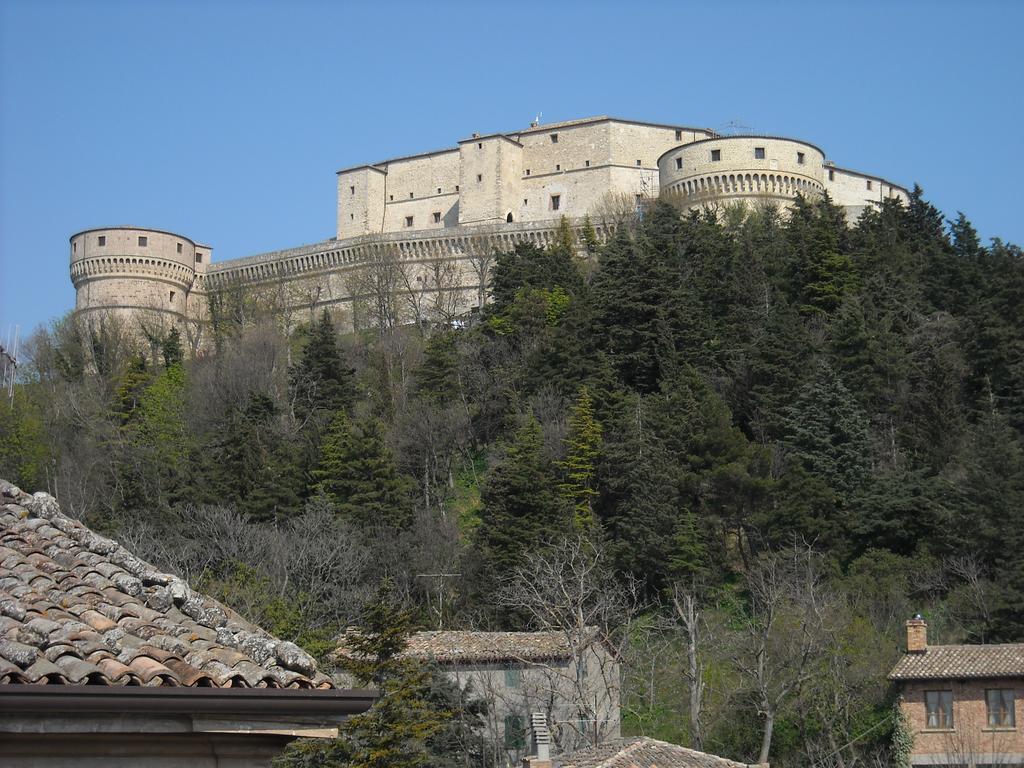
point(963, 702)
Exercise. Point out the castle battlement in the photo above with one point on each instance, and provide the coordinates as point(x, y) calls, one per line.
point(448, 211)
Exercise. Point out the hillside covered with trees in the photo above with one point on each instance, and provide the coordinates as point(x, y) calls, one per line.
point(762, 439)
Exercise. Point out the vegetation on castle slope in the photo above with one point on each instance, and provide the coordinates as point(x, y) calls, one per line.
point(780, 435)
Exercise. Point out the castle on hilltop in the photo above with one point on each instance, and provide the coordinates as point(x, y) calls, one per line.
point(429, 224)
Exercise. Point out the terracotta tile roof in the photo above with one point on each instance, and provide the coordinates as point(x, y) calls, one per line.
point(642, 752)
point(454, 646)
point(79, 609)
point(957, 662)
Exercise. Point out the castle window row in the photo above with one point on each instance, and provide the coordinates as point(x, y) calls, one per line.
point(759, 154)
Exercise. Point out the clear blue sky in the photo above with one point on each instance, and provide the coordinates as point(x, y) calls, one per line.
point(225, 121)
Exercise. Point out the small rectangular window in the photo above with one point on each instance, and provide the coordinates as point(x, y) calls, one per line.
point(831, 175)
point(179, 247)
point(679, 163)
point(869, 184)
point(352, 216)
point(74, 247)
point(479, 177)
point(638, 162)
point(515, 732)
point(558, 167)
point(679, 135)
point(391, 197)
point(716, 155)
point(554, 138)
point(172, 297)
point(410, 195)
point(480, 145)
point(588, 163)
point(456, 187)
point(525, 201)
point(759, 153)
point(513, 677)
point(1000, 705)
point(800, 158)
point(527, 171)
point(143, 241)
point(199, 257)
point(101, 240)
point(556, 202)
point(408, 221)
point(939, 709)
point(352, 190)
point(437, 217)
point(439, 190)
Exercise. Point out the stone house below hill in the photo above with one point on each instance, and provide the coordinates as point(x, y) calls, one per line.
point(574, 681)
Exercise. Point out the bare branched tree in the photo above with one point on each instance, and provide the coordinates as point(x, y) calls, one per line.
point(786, 631)
point(569, 588)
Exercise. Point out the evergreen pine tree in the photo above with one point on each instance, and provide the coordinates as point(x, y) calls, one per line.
point(398, 730)
point(358, 475)
point(828, 432)
point(251, 464)
point(583, 449)
point(170, 348)
point(632, 298)
point(521, 504)
point(323, 381)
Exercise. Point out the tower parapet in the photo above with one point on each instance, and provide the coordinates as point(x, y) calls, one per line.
point(743, 169)
point(128, 269)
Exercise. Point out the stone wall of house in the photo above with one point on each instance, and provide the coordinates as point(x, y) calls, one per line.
point(971, 740)
point(514, 689)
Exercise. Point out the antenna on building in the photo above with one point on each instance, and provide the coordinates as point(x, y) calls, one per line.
point(735, 127)
point(9, 363)
point(536, 120)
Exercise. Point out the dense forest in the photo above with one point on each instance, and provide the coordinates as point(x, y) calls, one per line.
point(762, 438)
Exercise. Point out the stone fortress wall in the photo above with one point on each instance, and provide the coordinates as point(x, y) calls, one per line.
point(438, 215)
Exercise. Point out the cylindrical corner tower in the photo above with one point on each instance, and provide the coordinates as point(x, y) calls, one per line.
point(742, 169)
point(129, 269)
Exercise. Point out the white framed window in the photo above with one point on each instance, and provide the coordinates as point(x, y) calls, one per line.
point(999, 704)
point(938, 709)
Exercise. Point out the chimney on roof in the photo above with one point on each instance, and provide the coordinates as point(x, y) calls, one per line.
point(541, 742)
point(476, 135)
point(917, 635)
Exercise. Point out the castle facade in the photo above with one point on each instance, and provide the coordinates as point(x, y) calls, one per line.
point(428, 224)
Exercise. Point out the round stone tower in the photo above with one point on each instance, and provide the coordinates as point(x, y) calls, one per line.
point(128, 269)
point(751, 169)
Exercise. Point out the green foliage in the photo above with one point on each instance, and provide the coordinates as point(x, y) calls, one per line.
point(24, 455)
point(170, 348)
point(282, 616)
point(902, 738)
point(322, 380)
point(357, 474)
point(410, 714)
point(522, 508)
point(702, 390)
point(251, 463)
point(583, 449)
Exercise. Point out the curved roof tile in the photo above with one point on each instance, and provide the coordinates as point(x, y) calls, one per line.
point(78, 609)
